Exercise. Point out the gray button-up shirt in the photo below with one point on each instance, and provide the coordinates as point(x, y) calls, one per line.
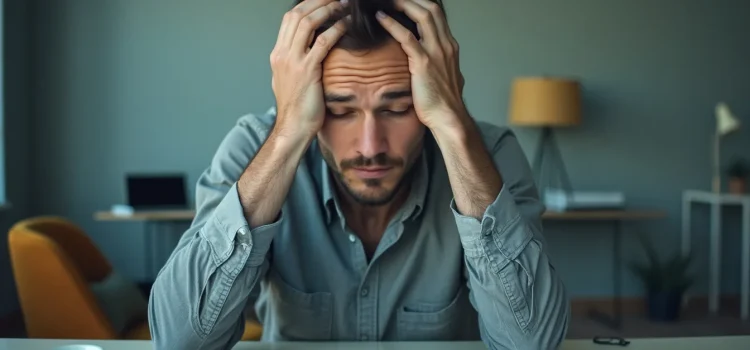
point(435, 275)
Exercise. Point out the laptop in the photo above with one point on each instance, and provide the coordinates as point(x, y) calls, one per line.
point(156, 191)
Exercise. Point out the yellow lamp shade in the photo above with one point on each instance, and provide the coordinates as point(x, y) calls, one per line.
point(545, 101)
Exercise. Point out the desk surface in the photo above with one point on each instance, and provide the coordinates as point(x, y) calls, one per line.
point(698, 343)
point(715, 198)
point(604, 215)
point(187, 215)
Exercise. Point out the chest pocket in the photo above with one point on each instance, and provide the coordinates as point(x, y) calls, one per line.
point(299, 315)
point(430, 321)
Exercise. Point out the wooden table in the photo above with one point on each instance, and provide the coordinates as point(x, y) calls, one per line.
point(698, 343)
point(598, 215)
point(616, 217)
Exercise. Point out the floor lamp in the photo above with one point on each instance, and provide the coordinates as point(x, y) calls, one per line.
point(548, 103)
point(726, 123)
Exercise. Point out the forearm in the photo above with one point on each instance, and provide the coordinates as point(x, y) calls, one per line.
point(199, 296)
point(473, 177)
point(521, 301)
point(198, 304)
point(265, 183)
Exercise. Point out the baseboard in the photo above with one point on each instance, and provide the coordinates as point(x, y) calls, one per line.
point(630, 305)
point(636, 306)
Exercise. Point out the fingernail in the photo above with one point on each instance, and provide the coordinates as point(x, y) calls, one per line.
point(344, 2)
point(380, 14)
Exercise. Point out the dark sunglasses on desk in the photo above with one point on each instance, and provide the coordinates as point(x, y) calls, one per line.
point(611, 341)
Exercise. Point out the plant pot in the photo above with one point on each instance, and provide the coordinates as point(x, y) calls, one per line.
point(737, 185)
point(664, 306)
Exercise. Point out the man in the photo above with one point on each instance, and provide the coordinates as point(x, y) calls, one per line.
point(368, 205)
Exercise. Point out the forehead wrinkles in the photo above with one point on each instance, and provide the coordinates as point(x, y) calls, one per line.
point(352, 78)
point(380, 71)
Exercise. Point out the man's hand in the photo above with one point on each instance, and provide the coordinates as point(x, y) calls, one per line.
point(296, 67)
point(437, 90)
point(297, 84)
point(437, 83)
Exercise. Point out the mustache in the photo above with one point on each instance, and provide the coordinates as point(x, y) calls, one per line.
point(381, 159)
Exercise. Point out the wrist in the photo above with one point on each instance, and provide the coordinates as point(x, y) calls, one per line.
point(456, 130)
point(295, 134)
point(290, 142)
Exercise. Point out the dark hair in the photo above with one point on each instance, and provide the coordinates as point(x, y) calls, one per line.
point(364, 31)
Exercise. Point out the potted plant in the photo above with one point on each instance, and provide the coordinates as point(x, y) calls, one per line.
point(665, 282)
point(737, 173)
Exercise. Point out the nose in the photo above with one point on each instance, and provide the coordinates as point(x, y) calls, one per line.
point(372, 140)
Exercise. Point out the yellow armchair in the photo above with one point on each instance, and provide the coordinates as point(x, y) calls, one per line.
point(55, 265)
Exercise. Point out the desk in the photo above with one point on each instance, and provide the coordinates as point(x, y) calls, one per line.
point(151, 220)
point(698, 343)
point(716, 201)
point(616, 217)
point(594, 215)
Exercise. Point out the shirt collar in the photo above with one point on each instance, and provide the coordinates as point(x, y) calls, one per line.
point(412, 207)
point(327, 192)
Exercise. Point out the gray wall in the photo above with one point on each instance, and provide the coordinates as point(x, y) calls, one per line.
point(139, 85)
point(17, 137)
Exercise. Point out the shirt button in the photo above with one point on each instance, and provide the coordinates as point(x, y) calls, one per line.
point(243, 230)
point(352, 238)
point(364, 292)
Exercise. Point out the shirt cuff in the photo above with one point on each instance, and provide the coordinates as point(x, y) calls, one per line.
point(228, 228)
point(500, 229)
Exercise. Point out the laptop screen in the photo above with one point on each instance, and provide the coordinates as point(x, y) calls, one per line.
point(156, 191)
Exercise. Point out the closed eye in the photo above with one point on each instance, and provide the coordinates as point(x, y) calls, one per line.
point(397, 113)
point(329, 113)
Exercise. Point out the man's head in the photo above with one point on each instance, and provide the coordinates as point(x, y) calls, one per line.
point(371, 137)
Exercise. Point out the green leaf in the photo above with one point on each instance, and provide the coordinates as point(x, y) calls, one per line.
point(670, 275)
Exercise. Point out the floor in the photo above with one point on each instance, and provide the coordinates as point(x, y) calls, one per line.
point(639, 327)
point(694, 321)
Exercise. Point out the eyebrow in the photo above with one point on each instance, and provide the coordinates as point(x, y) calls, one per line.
point(395, 95)
point(389, 95)
point(338, 98)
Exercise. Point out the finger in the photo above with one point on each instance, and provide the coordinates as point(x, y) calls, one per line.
point(406, 38)
point(285, 34)
point(292, 18)
point(326, 40)
point(311, 22)
point(340, 11)
point(423, 18)
point(441, 24)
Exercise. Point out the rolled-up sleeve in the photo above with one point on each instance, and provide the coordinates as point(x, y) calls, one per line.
point(200, 295)
point(228, 226)
point(521, 300)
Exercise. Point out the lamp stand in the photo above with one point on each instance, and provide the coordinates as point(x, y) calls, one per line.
point(549, 168)
point(716, 183)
